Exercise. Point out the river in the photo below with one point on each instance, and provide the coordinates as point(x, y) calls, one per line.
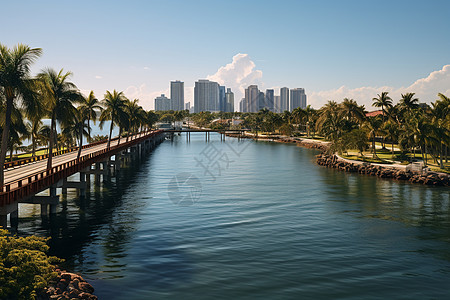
point(251, 220)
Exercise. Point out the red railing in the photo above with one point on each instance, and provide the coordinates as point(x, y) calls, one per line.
point(24, 161)
point(38, 181)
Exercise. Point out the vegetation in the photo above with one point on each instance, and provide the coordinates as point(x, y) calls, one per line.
point(25, 268)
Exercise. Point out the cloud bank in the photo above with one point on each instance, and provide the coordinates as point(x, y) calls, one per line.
point(426, 90)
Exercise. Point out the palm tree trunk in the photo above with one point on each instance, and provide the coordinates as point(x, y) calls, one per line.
point(392, 149)
point(89, 130)
point(110, 133)
point(33, 144)
point(5, 138)
point(373, 146)
point(81, 141)
point(51, 141)
point(440, 155)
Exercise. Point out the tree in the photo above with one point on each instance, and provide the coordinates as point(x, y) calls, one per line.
point(91, 106)
point(15, 82)
point(391, 132)
point(352, 111)
point(373, 125)
point(59, 95)
point(38, 133)
point(408, 102)
point(114, 111)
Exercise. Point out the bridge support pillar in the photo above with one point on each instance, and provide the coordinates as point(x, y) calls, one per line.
point(14, 218)
point(11, 209)
point(83, 184)
point(44, 210)
point(4, 221)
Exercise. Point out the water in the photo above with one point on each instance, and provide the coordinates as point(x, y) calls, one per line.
point(262, 221)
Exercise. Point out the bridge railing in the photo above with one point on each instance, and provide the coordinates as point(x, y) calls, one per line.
point(38, 181)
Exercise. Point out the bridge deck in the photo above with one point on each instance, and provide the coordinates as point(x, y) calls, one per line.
point(29, 178)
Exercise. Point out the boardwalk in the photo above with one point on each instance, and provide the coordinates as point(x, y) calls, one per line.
point(24, 181)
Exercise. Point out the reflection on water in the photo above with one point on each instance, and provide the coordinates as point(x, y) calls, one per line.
point(271, 224)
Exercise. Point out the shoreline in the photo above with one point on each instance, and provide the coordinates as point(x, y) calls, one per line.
point(397, 172)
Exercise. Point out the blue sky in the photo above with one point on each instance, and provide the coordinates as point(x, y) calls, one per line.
point(328, 47)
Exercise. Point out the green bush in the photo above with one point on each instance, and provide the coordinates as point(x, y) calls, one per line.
point(25, 268)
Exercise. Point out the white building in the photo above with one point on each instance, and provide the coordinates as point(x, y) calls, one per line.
point(252, 98)
point(206, 96)
point(297, 99)
point(162, 103)
point(177, 95)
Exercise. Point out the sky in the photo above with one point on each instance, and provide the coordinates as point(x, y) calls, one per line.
point(333, 49)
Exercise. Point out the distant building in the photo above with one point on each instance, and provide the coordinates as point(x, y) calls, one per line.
point(261, 101)
point(276, 104)
point(229, 96)
point(187, 106)
point(284, 99)
point(252, 98)
point(177, 95)
point(206, 96)
point(162, 103)
point(222, 98)
point(242, 105)
point(269, 101)
point(297, 99)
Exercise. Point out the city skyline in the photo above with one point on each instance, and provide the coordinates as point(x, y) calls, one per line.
point(345, 49)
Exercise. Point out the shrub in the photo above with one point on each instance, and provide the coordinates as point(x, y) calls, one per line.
point(25, 268)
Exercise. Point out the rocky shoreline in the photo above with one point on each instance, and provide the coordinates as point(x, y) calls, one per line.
point(332, 161)
point(68, 286)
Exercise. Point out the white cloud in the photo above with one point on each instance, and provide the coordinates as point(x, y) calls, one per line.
point(98, 77)
point(238, 75)
point(426, 90)
point(146, 68)
point(146, 98)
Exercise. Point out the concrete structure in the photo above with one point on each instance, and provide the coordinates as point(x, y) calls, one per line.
point(187, 106)
point(162, 103)
point(252, 98)
point(177, 95)
point(284, 99)
point(229, 97)
point(269, 101)
point(261, 101)
point(206, 96)
point(297, 99)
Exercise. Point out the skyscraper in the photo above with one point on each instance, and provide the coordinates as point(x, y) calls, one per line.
point(177, 95)
point(284, 99)
point(229, 95)
point(242, 105)
point(276, 104)
point(222, 98)
point(298, 99)
point(162, 103)
point(261, 101)
point(269, 102)
point(206, 96)
point(252, 98)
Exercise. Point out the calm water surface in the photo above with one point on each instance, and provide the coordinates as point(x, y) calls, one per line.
point(251, 220)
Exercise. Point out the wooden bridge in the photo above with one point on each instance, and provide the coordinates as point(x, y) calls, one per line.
point(23, 180)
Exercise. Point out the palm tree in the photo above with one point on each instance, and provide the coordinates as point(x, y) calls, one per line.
point(91, 106)
point(59, 96)
point(150, 119)
point(440, 118)
point(15, 82)
point(76, 129)
point(374, 126)
point(391, 130)
point(114, 111)
point(408, 102)
point(352, 111)
point(38, 133)
point(134, 112)
point(383, 101)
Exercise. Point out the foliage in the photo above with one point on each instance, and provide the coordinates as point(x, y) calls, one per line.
point(25, 269)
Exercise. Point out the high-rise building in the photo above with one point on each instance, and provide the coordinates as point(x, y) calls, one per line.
point(269, 102)
point(261, 101)
point(177, 95)
point(284, 99)
point(229, 95)
point(187, 106)
point(242, 105)
point(252, 98)
point(298, 99)
point(162, 103)
point(206, 96)
point(276, 104)
point(222, 98)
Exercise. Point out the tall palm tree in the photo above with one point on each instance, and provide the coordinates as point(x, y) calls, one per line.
point(15, 82)
point(408, 102)
point(77, 127)
point(374, 126)
point(114, 111)
point(91, 106)
point(383, 101)
point(38, 133)
point(352, 111)
point(440, 118)
point(391, 130)
point(59, 95)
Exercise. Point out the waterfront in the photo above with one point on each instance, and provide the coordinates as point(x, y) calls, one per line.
point(265, 222)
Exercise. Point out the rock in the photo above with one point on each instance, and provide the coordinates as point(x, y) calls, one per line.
point(86, 287)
